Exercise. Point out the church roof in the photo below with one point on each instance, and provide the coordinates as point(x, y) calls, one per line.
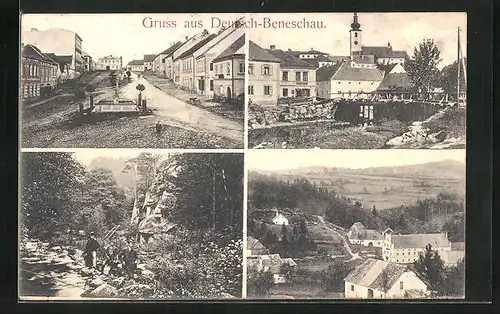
point(383, 52)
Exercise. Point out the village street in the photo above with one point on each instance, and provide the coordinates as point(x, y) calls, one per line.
point(331, 228)
point(52, 123)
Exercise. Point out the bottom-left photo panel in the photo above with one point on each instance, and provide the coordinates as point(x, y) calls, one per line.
point(130, 224)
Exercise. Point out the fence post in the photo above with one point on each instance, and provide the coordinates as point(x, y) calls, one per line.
point(144, 107)
point(139, 100)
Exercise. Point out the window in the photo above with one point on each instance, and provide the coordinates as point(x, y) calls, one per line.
point(285, 92)
point(397, 253)
point(304, 77)
point(397, 261)
point(297, 76)
point(285, 75)
point(355, 34)
point(211, 85)
point(211, 66)
point(403, 253)
point(401, 285)
point(250, 69)
point(228, 69)
point(266, 70)
point(242, 67)
point(268, 90)
point(352, 287)
point(250, 89)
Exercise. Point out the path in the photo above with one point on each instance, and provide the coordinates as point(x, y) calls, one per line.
point(180, 114)
point(326, 224)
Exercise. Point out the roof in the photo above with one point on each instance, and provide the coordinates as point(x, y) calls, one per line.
point(312, 51)
point(401, 241)
point(288, 60)
point(338, 58)
point(256, 53)
point(383, 52)
point(232, 49)
point(357, 225)
point(31, 51)
point(393, 81)
point(136, 62)
point(63, 59)
point(367, 234)
point(197, 46)
point(149, 58)
point(289, 261)
point(254, 244)
point(376, 274)
point(452, 256)
point(344, 72)
point(170, 50)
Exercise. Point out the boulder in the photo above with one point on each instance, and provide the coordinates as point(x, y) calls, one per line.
point(148, 274)
point(95, 282)
point(103, 291)
point(86, 272)
point(118, 282)
point(138, 290)
point(56, 248)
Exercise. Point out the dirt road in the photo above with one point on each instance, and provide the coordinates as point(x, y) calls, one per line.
point(328, 226)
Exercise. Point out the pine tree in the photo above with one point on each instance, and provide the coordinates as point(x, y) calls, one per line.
point(431, 267)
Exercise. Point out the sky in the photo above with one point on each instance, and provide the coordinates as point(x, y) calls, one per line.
point(292, 159)
point(125, 35)
point(86, 156)
point(403, 30)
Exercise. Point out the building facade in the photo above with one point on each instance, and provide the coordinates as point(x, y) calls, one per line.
point(263, 71)
point(148, 62)
point(188, 63)
point(376, 279)
point(109, 63)
point(87, 62)
point(297, 77)
point(229, 69)
point(136, 66)
point(160, 62)
point(175, 63)
point(60, 42)
point(38, 73)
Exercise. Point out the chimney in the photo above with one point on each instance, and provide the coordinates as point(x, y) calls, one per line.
point(34, 30)
point(272, 47)
point(186, 38)
point(289, 50)
point(312, 48)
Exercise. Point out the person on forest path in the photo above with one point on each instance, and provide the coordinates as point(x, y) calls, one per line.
point(90, 253)
point(129, 257)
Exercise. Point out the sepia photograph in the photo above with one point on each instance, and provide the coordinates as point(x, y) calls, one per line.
point(351, 224)
point(132, 80)
point(357, 81)
point(130, 224)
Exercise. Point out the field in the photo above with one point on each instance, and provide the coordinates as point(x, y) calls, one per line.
point(386, 191)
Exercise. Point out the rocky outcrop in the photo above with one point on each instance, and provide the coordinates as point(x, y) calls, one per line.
point(136, 291)
point(103, 291)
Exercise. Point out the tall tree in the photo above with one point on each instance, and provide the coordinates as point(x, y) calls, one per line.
point(431, 267)
point(454, 283)
point(422, 67)
point(147, 165)
point(448, 79)
point(49, 184)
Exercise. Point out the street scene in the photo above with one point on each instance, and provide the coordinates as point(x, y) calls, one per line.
point(362, 81)
point(141, 87)
point(384, 224)
point(130, 224)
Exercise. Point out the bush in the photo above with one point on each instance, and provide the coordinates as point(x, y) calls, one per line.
point(80, 93)
point(259, 283)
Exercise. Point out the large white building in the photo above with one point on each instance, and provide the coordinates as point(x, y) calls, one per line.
point(108, 63)
point(60, 42)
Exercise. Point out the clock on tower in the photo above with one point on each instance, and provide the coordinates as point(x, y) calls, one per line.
point(355, 36)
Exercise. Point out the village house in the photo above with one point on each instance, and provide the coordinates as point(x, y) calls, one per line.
point(264, 71)
point(297, 77)
point(229, 69)
point(255, 247)
point(376, 279)
point(176, 62)
point(205, 71)
point(159, 65)
point(279, 219)
point(87, 62)
point(395, 80)
point(406, 248)
point(358, 234)
point(333, 82)
point(136, 66)
point(314, 57)
point(148, 62)
point(61, 42)
point(109, 63)
point(274, 264)
point(187, 62)
point(38, 72)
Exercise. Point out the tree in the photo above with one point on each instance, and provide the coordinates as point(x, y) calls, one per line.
point(259, 282)
point(431, 267)
point(448, 78)
point(50, 185)
point(422, 67)
point(334, 275)
point(147, 164)
point(454, 283)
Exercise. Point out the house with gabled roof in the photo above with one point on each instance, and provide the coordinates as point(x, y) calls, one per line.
point(38, 72)
point(264, 71)
point(255, 247)
point(205, 70)
point(229, 69)
point(188, 44)
point(297, 77)
point(395, 80)
point(376, 279)
point(148, 62)
point(159, 63)
point(333, 81)
point(187, 63)
point(136, 65)
point(406, 248)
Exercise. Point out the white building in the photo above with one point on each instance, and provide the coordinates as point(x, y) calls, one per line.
point(136, 65)
point(406, 248)
point(109, 63)
point(279, 219)
point(376, 279)
point(358, 234)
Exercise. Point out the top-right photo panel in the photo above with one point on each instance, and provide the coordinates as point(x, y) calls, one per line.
point(357, 80)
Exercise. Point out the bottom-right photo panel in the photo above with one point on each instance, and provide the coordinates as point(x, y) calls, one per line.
point(355, 224)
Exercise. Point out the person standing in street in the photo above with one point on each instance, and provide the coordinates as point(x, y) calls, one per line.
point(91, 251)
point(129, 257)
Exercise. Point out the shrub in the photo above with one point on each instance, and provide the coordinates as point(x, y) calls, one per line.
point(80, 93)
point(259, 283)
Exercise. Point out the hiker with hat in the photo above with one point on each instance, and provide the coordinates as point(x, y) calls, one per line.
point(129, 258)
point(90, 252)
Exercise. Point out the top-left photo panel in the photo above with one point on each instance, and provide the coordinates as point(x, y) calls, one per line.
point(173, 81)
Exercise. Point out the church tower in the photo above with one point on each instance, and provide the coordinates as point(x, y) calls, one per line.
point(355, 35)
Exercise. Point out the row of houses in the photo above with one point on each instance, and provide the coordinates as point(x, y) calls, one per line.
point(275, 74)
point(208, 64)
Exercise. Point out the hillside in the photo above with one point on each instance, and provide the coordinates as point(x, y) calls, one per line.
point(116, 165)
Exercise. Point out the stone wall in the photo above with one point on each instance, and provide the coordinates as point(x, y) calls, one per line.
point(261, 116)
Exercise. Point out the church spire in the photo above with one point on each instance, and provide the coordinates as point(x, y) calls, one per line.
point(355, 26)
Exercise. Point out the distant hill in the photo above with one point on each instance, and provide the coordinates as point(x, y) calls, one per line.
point(116, 165)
